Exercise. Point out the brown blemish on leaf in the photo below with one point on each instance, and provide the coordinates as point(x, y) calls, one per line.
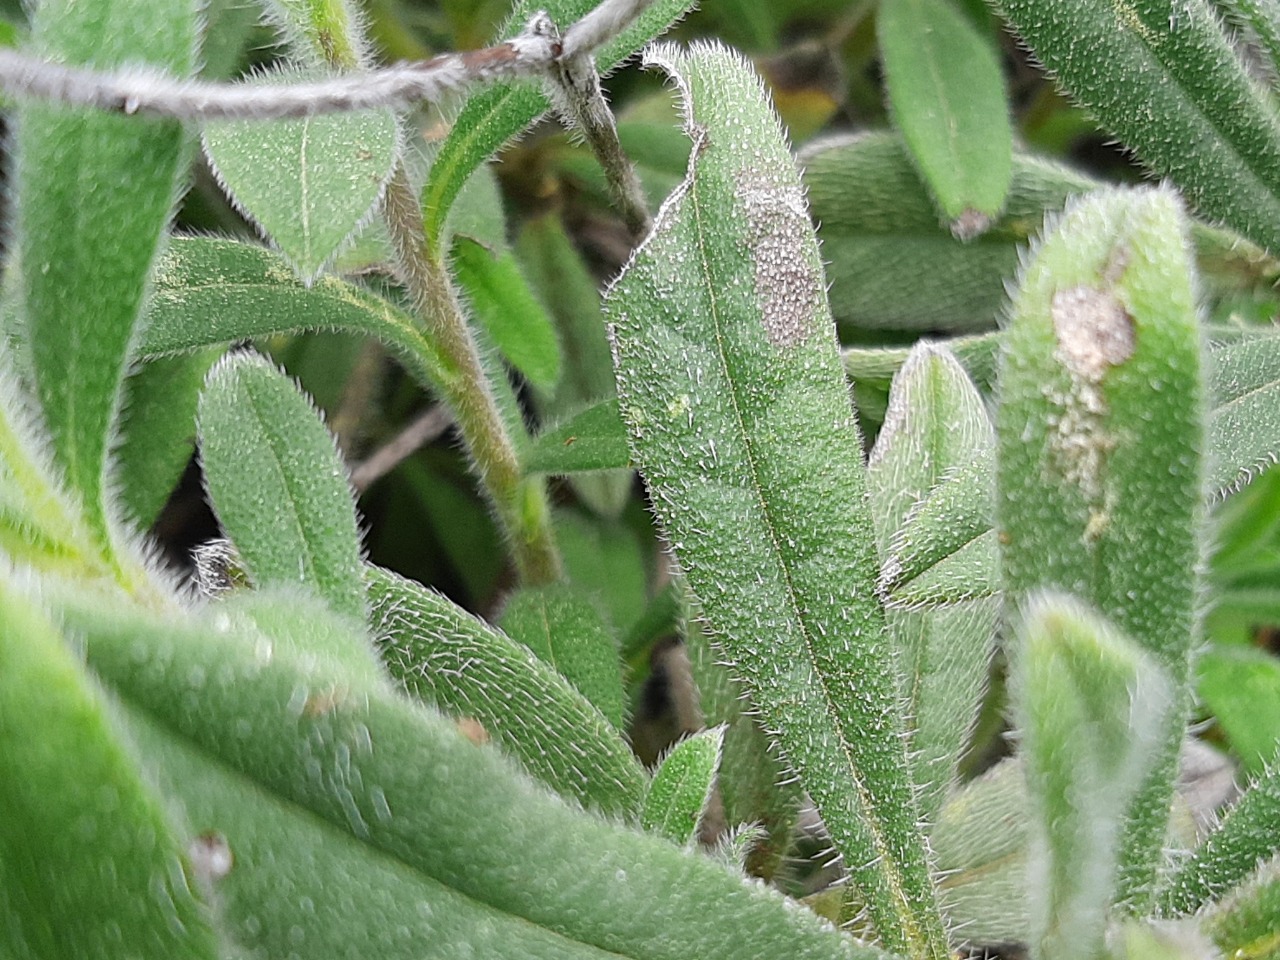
point(473, 730)
point(1094, 332)
point(788, 286)
point(210, 856)
point(323, 702)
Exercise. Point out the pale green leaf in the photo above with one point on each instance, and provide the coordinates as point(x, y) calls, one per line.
point(936, 425)
point(681, 787)
point(731, 386)
point(211, 291)
point(1090, 706)
point(1164, 79)
point(567, 631)
point(946, 92)
point(445, 657)
point(90, 864)
point(94, 194)
point(307, 184)
point(610, 560)
point(1241, 688)
point(978, 355)
point(1100, 429)
point(418, 807)
point(277, 483)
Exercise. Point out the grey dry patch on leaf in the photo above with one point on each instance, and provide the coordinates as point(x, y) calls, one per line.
point(788, 285)
point(1094, 332)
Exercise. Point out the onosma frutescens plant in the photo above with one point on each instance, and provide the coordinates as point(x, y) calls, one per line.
point(314, 756)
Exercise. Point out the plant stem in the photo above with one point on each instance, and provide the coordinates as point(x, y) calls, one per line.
point(519, 502)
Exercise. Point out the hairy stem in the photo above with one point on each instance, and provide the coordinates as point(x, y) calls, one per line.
point(520, 502)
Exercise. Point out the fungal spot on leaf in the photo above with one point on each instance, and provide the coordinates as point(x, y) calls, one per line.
point(788, 285)
point(211, 856)
point(1094, 332)
point(473, 730)
point(322, 702)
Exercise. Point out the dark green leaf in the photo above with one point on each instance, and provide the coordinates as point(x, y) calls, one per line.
point(594, 439)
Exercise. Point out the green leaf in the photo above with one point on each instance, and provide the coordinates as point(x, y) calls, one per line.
point(320, 31)
point(94, 194)
point(278, 484)
point(445, 657)
point(409, 796)
point(1244, 424)
point(609, 560)
point(219, 291)
point(593, 439)
point(1100, 439)
point(681, 788)
point(1165, 80)
point(1244, 925)
point(502, 303)
point(90, 865)
point(309, 184)
point(731, 386)
point(158, 430)
point(1246, 836)
point(890, 264)
point(566, 631)
point(980, 842)
point(496, 114)
point(946, 92)
point(755, 785)
point(558, 273)
point(978, 354)
point(1090, 706)
point(1241, 688)
point(935, 426)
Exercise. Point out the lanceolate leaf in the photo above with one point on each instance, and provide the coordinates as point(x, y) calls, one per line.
point(936, 425)
point(1089, 707)
point(1100, 439)
point(219, 291)
point(731, 386)
point(1244, 425)
point(410, 796)
point(1246, 836)
point(947, 94)
point(308, 184)
point(567, 632)
point(447, 658)
point(1164, 79)
point(89, 864)
point(94, 195)
point(681, 788)
point(277, 483)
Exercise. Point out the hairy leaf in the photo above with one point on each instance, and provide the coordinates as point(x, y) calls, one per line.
point(1089, 706)
point(947, 95)
point(1164, 79)
point(1246, 836)
point(1244, 424)
point(730, 383)
point(307, 184)
point(681, 787)
point(566, 631)
point(879, 230)
point(935, 426)
point(1100, 439)
point(445, 657)
point(1244, 924)
point(94, 197)
point(277, 483)
point(408, 793)
point(90, 865)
